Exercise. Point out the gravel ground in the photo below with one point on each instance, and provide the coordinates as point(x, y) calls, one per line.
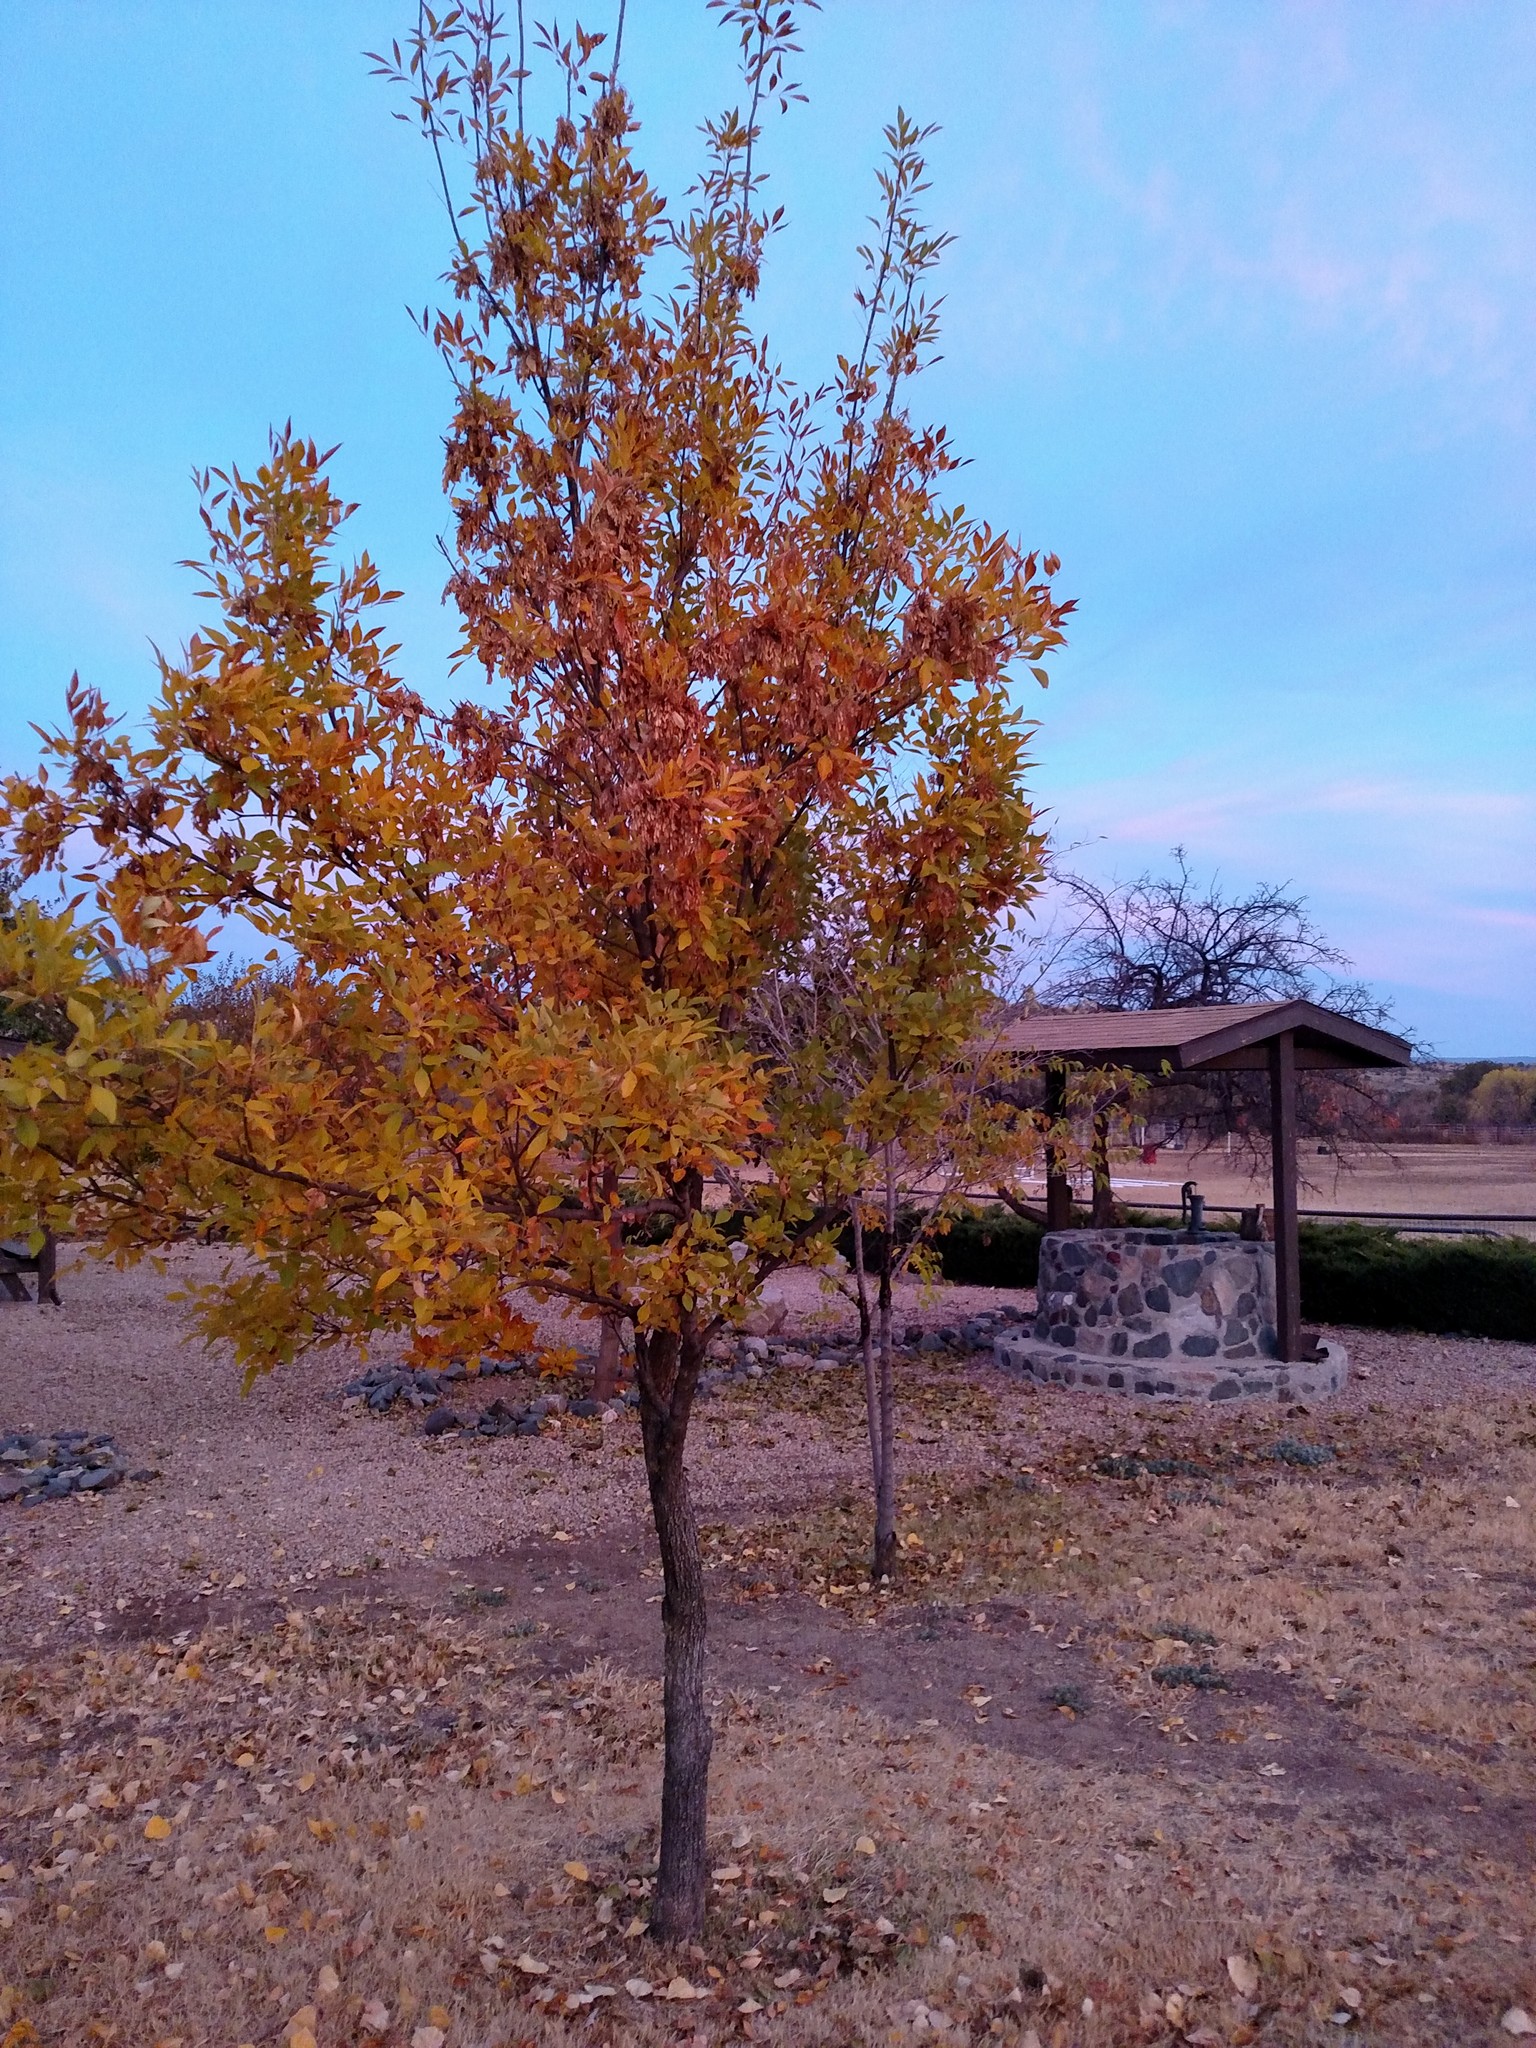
point(282, 1488)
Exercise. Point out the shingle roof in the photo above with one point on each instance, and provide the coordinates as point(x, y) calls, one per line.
point(1195, 1038)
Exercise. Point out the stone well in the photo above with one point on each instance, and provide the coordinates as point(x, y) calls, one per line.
point(1157, 1312)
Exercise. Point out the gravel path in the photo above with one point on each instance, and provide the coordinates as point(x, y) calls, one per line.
point(283, 1488)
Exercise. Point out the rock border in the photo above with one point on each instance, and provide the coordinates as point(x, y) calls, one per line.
point(1252, 1379)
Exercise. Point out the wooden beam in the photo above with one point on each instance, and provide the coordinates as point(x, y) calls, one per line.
point(1282, 1152)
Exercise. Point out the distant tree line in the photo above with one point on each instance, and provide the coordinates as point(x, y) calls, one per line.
point(1483, 1092)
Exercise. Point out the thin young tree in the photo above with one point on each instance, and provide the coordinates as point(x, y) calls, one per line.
point(520, 939)
point(881, 1023)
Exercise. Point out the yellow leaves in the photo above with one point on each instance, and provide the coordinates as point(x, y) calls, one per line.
point(157, 1828)
point(300, 2030)
point(628, 1084)
point(103, 1102)
point(416, 1819)
point(322, 1830)
point(530, 1965)
point(864, 1846)
point(82, 1016)
point(275, 1933)
point(578, 1871)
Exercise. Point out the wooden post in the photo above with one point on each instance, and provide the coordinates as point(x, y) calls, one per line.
point(1058, 1187)
point(1282, 1153)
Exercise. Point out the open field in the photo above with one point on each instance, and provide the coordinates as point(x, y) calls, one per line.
point(1176, 1726)
point(1470, 1180)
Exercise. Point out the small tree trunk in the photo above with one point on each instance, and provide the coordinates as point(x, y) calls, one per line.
point(867, 1354)
point(885, 1477)
point(668, 1366)
point(1103, 1211)
point(605, 1380)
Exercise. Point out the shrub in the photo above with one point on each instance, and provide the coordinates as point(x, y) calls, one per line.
point(1473, 1286)
point(988, 1247)
point(991, 1248)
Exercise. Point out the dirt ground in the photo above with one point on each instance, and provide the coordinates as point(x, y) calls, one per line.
point(1176, 1725)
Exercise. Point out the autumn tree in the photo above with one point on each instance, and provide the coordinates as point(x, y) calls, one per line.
point(708, 612)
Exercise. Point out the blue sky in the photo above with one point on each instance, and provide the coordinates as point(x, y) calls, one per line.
point(1241, 322)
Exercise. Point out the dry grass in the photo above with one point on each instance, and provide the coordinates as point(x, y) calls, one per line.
point(400, 1832)
point(371, 1810)
point(1397, 1577)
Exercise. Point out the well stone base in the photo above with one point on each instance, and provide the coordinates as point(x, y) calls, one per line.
point(1263, 1379)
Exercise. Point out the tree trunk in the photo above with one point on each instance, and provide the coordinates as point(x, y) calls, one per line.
point(1103, 1212)
point(667, 1369)
point(605, 1380)
point(867, 1354)
point(885, 1478)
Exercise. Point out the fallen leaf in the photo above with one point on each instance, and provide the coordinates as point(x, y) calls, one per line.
point(428, 2037)
point(637, 1987)
point(681, 1988)
point(789, 1977)
point(1351, 1997)
point(742, 1838)
point(1244, 1972)
point(327, 1984)
point(531, 1966)
point(300, 2030)
point(864, 1846)
point(727, 1873)
point(1518, 2021)
point(416, 1819)
point(307, 1782)
point(578, 1871)
point(834, 1894)
point(374, 2017)
point(157, 1828)
point(748, 2006)
point(322, 1830)
point(275, 1934)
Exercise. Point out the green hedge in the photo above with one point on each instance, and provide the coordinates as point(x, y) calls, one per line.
point(1456, 1286)
point(1350, 1273)
point(991, 1248)
point(981, 1248)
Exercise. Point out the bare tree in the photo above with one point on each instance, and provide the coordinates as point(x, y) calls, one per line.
point(1168, 941)
point(1164, 941)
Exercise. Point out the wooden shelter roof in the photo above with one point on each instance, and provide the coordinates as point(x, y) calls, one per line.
point(1203, 1039)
